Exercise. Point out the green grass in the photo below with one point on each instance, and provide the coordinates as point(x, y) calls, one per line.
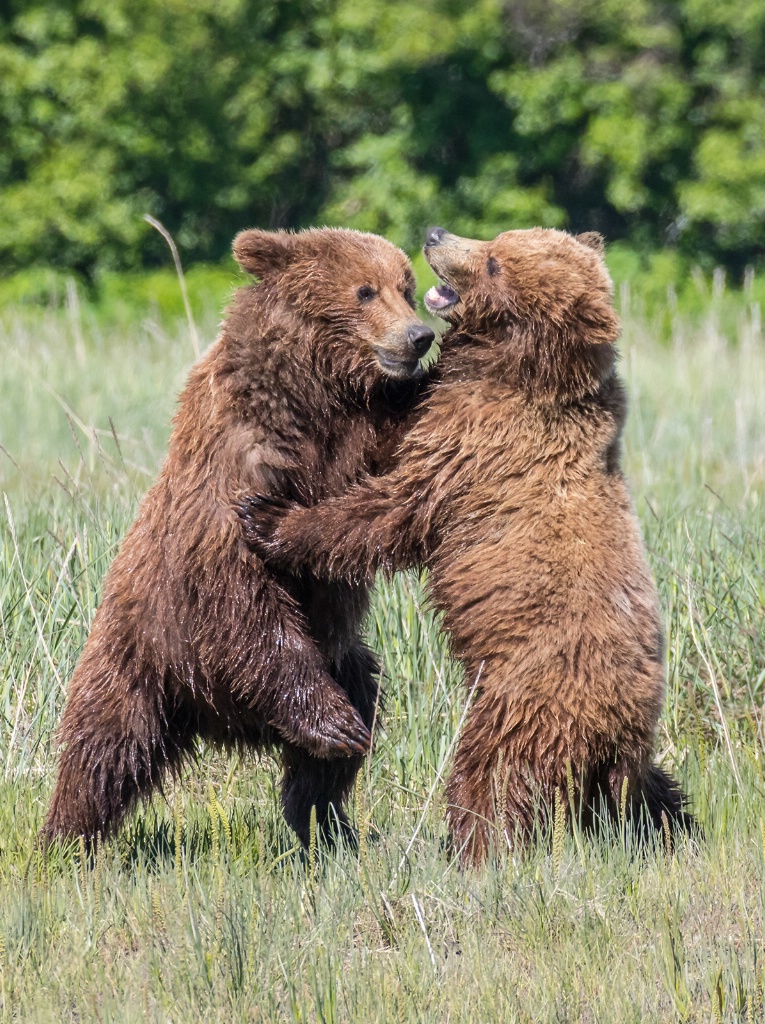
point(202, 909)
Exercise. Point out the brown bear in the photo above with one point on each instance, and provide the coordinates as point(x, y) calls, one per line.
point(313, 373)
point(509, 489)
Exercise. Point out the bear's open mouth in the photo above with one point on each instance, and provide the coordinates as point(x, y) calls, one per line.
point(441, 297)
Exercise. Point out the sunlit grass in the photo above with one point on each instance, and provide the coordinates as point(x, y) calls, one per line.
point(203, 909)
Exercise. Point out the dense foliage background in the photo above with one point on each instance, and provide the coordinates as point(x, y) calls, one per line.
point(645, 120)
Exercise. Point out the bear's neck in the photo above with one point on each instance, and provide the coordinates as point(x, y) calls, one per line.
point(549, 368)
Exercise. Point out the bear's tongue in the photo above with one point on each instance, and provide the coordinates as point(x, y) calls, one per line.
point(440, 296)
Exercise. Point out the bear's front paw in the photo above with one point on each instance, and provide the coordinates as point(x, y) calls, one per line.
point(260, 515)
point(335, 732)
point(343, 735)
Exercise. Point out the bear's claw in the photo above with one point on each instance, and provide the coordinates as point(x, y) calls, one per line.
point(259, 515)
point(335, 740)
point(349, 737)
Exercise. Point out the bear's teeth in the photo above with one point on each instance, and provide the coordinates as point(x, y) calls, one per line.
point(439, 297)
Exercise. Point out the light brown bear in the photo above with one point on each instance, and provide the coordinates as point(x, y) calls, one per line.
point(311, 377)
point(509, 489)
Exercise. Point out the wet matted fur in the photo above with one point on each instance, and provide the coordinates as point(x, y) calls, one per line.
point(509, 489)
point(304, 390)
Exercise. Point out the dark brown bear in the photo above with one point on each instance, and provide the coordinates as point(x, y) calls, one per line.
point(509, 489)
point(312, 374)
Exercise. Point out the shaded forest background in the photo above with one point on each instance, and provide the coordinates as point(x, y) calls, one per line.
point(644, 120)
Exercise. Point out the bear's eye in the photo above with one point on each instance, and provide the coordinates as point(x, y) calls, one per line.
point(366, 293)
point(409, 296)
point(492, 267)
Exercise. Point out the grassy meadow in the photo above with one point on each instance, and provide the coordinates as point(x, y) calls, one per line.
point(203, 910)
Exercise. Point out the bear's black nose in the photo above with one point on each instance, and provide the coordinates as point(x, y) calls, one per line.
point(434, 236)
point(420, 338)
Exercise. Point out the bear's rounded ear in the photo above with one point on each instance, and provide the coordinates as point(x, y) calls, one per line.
point(258, 251)
point(597, 319)
point(593, 240)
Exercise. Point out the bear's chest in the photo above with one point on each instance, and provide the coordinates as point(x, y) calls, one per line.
point(336, 460)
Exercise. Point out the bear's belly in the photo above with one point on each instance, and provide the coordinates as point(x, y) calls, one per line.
point(334, 613)
point(577, 611)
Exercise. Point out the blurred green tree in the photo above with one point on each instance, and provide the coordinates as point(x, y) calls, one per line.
point(645, 120)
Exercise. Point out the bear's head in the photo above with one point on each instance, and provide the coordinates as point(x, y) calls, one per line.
point(352, 295)
point(537, 303)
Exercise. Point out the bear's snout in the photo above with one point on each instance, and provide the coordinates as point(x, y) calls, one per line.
point(420, 337)
point(400, 351)
point(434, 236)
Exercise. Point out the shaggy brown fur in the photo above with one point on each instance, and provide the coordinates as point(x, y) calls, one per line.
point(313, 372)
point(509, 489)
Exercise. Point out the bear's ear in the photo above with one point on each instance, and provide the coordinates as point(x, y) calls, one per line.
point(593, 240)
point(258, 251)
point(596, 318)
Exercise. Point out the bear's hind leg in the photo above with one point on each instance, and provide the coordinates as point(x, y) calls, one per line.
point(649, 797)
point(504, 780)
point(665, 804)
point(310, 782)
point(469, 798)
point(115, 750)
